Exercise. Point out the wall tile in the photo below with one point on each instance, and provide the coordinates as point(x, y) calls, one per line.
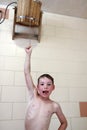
point(70, 33)
point(49, 30)
point(19, 110)
point(5, 111)
point(59, 53)
point(1, 62)
point(20, 52)
point(60, 94)
point(7, 78)
point(12, 125)
point(0, 92)
point(13, 94)
point(14, 63)
point(79, 123)
point(19, 78)
point(59, 66)
point(71, 109)
point(70, 80)
point(7, 50)
point(78, 95)
point(83, 109)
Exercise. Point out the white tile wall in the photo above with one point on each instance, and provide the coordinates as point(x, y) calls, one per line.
point(60, 94)
point(7, 50)
point(19, 79)
point(78, 95)
point(14, 63)
point(12, 125)
point(0, 93)
point(17, 114)
point(79, 123)
point(71, 109)
point(5, 111)
point(13, 94)
point(7, 77)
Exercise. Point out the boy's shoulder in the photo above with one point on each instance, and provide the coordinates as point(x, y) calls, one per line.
point(55, 105)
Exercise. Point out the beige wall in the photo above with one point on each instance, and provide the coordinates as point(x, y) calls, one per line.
point(62, 53)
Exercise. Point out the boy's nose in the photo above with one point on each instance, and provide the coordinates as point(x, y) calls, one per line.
point(45, 86)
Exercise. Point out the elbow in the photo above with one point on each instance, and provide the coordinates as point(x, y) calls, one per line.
point(65, 124)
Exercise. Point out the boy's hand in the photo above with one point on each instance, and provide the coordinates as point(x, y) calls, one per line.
point(28, 50)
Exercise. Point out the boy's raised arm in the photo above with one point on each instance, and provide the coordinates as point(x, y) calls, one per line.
point(27, 70)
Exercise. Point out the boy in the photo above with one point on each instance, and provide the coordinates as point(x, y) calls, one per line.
point(41, 107)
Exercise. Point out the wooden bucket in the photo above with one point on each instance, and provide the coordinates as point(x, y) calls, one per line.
point(35, 12)
point(23, 11)
point(28, 12)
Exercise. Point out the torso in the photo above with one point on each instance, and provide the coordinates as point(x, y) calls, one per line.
point(38, 114)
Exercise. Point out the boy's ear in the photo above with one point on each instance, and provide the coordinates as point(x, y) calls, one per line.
point(37, 85)
point(53, 87)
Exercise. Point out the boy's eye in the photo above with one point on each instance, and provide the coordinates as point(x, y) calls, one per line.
point(42, 84)
point(49, 84)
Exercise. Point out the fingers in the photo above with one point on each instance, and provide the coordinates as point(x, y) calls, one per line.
point(28, 49)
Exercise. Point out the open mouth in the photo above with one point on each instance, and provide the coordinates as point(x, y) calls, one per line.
point(45, 92)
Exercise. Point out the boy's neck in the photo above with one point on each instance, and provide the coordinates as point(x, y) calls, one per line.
point(43, 98)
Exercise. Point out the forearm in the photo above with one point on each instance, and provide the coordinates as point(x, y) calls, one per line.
point(27, 67)
point(63, 126)
point(27, 70)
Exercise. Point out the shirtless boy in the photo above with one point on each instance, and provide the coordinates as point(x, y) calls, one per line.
point(41, 108)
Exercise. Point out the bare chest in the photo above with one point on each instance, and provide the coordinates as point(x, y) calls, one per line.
point(38, 115)
point(39, 110)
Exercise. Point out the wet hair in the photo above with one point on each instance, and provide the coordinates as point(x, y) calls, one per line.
point(47, 76)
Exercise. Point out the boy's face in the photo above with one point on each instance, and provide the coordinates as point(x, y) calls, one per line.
point(45, 87)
